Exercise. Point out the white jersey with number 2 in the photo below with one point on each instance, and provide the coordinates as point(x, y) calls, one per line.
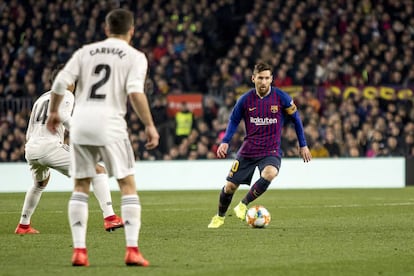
point(105, 73)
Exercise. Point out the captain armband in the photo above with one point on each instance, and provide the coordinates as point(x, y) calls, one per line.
point(291, 109)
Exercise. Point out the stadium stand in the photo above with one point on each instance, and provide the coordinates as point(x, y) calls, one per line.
point(348, 64)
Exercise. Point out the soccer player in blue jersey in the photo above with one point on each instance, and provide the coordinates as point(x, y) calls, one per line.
point(264, 110)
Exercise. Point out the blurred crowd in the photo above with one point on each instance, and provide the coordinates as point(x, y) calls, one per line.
point(210, 47)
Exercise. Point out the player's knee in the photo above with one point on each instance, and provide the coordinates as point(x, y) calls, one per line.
point(269, 173)
point(43, 183)
point(100, 169)
point(230, 188)
point(127, 185)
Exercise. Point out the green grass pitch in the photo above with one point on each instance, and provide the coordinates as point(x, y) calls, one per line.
point(312, 232)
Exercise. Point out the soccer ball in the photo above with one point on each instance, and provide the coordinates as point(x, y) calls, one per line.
point(258, 217)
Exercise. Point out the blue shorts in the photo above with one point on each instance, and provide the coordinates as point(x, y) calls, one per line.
point(242, 169)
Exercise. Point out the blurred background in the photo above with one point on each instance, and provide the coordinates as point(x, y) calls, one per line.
point(348, 65)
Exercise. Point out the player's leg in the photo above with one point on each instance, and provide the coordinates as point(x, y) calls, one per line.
point(269, 169)
point(120, 162)
point(41, 176)
point(241, 172)
point(58, 158)
point(131, 213)
point(84, 159)
point(103, 195)
point(226, 195)
point(78, 220)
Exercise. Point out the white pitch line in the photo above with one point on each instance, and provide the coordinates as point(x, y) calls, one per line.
point(350, 205)
point(391, 204)
point(46, 211)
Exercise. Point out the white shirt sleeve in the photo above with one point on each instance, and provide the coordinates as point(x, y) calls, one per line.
point(68, 75)
point(137, 74)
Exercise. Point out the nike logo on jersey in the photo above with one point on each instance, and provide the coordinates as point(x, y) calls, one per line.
point(252, 108)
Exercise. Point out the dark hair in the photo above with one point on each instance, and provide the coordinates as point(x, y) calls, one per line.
point(261, 66)
point(55, 72)
point(119, 21)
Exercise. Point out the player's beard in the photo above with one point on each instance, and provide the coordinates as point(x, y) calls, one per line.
point(263, 89)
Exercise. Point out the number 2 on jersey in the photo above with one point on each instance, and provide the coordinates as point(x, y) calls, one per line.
point(107, 72)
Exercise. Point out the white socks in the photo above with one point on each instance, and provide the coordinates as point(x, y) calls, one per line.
point(31, 201)
point(103, 194)
point(131, 215)
point(78, 218)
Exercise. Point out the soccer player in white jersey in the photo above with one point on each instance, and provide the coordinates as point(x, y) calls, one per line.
point(107, 74)
point(45, 151)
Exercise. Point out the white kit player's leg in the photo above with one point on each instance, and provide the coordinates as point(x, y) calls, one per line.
point(31, 201)
point(131, 213)
point(103, 194)
point(78, 218)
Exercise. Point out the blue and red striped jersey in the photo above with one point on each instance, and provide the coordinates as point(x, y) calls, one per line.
point(264, 119)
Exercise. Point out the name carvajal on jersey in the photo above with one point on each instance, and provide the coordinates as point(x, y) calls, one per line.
point(105, 50)
point(263, 121)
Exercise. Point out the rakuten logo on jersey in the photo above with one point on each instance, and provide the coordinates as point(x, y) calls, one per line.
point(263, 121)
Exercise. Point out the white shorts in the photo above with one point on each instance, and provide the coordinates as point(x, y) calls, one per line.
point(118, 158)
point(57, 158)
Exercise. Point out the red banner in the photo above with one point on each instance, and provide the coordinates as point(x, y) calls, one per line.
point(194, 103)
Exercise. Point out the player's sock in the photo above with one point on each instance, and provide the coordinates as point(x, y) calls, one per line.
point(131, 214)
point(224, 202)
point(31, 201)
point(256, 190)
point(103, 194)
point(78, 218)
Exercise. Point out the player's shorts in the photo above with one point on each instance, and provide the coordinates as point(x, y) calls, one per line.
point(242, 169)
point(57, 158)
point(118, 158)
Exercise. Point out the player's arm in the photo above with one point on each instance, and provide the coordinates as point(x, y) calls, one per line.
point(66, 77)
point(140, 105)
point(234, 121)
point(138, 99)
point(66, 109)
point(292, 111)
point(53, 120)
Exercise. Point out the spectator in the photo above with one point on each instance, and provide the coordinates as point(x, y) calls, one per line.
point(332, 146)
point(373, 150)
point(393, 147)
point(224, 111)
point(184, 123)
point(373, 49)
point(318, 150)
point(161, 120)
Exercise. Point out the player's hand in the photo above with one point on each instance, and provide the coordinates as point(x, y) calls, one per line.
point(304, 152)
point(222, 150)
point(153, 138)
point(53, 122)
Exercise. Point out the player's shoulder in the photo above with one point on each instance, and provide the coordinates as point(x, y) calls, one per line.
point(88, 47)
point(242, 99)
point(44, 97)
point(279, 91)
point(139, 54)
point(248, 93)
point(284, 95)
